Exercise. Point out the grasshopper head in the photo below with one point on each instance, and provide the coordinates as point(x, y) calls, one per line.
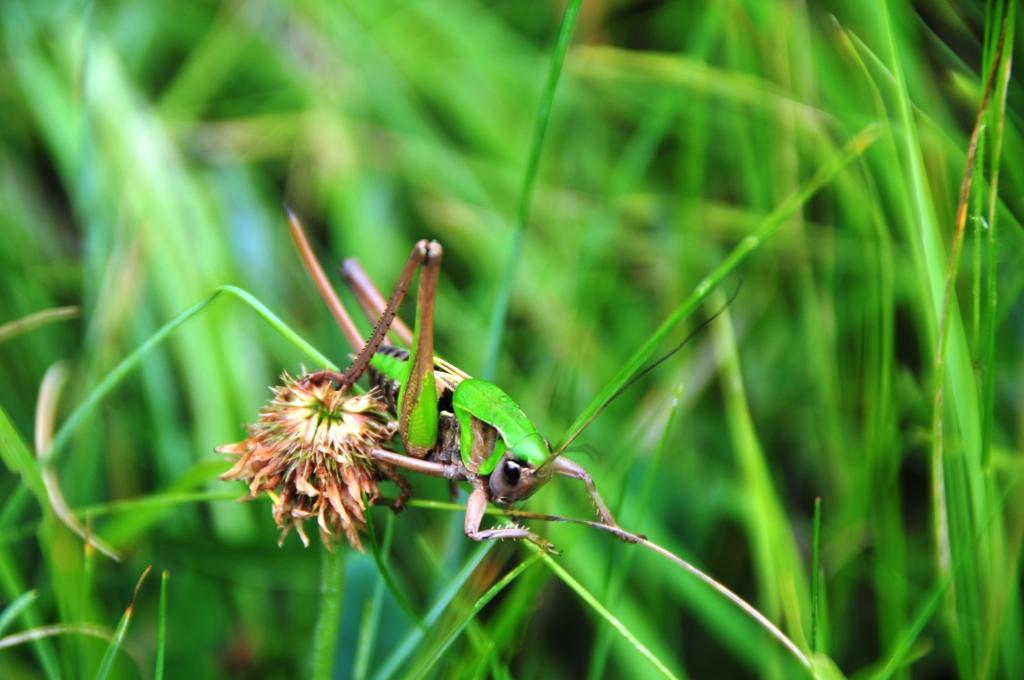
point(521, 471)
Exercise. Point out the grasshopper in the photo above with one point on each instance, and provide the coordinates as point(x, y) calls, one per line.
point(451, 424)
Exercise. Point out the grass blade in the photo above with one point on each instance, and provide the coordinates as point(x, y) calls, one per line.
point(540, 126)
point(815, 572)
point(14, 588)
point(328, 620)
point(19, 460)
point(33, 321)
point(15, 608)
point(587, 597)
point(46, 413)
point(385, 571)
point(122, 628)
point(415, 636)
point(54, 630)
point(947, 293)
point(622, 567)
point(161, 631)
point(771, 224)
point(159, 500)
point(721, 588)
point(130, 362)
point(991, 290)
point(480, 603)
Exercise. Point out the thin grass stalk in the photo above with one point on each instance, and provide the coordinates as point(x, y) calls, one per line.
point(328, 620)
point(55, 630)
point(954, 260)
point(622, 567)
point(46, 412)
point(25, 324)
point(603, 612)
point(380, 559)
point(15, 608)
point(107, 664)
point(815, 572)
point(130, 362)
point(992, 250)
point(540, 126)
point(86, 654)
point(636, 539)
point(161, 630)
point(938, 453)
point(481, 602)
point(765, 230)
point(415, 636)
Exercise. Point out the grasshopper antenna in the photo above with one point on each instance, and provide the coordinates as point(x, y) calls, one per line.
point(651, 366)
point(668, 355)
point(583, 447)
point(323, 285)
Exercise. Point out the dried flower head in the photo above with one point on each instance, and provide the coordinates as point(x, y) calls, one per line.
point(308, 452)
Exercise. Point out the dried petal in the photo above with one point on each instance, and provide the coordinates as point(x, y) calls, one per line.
point(308, 453)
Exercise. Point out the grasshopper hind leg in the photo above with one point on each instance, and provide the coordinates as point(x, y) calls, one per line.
point(370, 299)
point(404, 488)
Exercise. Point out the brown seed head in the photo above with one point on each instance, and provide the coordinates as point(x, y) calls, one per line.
point(308, 452)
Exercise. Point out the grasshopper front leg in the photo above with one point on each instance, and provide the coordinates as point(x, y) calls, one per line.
point(476, 507)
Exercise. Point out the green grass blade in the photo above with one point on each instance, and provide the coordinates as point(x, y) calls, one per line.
point(587, 597)
point(815, 572)
point(25, 324)
point(132, 361)
point(435, 655)
point(161, 631)
point(42, 632)
point(13, 587)
point(369, 626)
point(15, 608)
point(500, 310)
point(86, 611)
point(621, 567)
point(328, 619)
point(992, 243)
point(415, 636)
point(157, 500)
point(902, 649)
point(19, 460)
point(122, 628)
point(771, 224)
point(386, 573)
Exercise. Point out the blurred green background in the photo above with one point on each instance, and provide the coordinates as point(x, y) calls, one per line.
point(147, 148)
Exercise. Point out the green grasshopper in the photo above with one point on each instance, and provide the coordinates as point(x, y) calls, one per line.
point(451, 425)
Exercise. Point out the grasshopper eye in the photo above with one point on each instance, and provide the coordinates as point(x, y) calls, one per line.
point(511, 481)
point(512, 472)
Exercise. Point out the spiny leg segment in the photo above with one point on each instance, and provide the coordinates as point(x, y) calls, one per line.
point(370, 299)
point(476, 507)
point(425, 253)
point(569, 468)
